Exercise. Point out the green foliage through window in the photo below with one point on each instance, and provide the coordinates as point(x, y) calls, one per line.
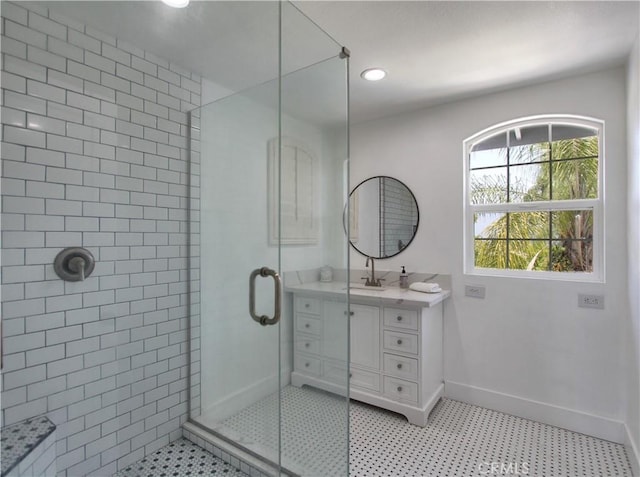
point(546, 170)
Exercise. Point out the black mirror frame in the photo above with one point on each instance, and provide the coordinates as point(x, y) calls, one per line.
point(344, 218)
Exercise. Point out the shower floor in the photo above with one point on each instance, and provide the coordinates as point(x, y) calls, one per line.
point(313, 434)
point(461, 440)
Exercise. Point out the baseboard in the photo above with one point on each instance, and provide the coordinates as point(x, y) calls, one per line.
point(633, 452)
point(584, 423)
point(242, 398)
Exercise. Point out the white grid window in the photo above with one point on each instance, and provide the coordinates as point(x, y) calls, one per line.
point(534, 199)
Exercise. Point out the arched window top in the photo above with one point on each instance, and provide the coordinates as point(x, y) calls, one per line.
point(533, 129)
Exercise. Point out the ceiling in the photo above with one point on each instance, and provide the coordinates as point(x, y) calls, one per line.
point(437, 52)
point(434, 52)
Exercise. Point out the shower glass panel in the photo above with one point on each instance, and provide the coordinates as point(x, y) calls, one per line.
point(313, 191)
point(269, 175)
point(237, 358)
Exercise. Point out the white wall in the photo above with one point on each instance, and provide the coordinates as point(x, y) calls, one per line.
point(527, 340)
point(632, 328)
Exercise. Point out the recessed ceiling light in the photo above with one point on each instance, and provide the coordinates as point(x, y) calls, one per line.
point(373, 74)
point(176, 3)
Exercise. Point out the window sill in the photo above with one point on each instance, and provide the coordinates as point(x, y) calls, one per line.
point(579, 277)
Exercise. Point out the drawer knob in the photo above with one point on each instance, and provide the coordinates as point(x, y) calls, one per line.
point(306, 365)
point(306, 345)
point(350, 313)
point(399, 342)
point(307, 305)
point(399, 365)
point(399, 318)
point(399, 388)
point(307, 325)
point(350, 375)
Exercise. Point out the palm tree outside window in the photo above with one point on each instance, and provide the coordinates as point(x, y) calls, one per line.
point(534, 199)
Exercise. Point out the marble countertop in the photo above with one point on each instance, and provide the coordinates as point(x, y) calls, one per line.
point(385, 296)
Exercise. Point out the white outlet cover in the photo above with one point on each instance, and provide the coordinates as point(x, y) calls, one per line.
point(475, 291)
point(591, 301)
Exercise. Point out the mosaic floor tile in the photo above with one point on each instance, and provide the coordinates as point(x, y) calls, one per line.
point(179, 459)
point(313, 434)
point(461, 440)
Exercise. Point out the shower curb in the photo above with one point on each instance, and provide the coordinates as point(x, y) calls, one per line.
point(230, 454)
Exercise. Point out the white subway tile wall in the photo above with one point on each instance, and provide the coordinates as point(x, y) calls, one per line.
point(399, 215)
point(94, 154)
point(195, 398)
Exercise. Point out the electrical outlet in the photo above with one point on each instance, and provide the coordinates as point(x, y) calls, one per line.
point(475, 291)
point(591, 301)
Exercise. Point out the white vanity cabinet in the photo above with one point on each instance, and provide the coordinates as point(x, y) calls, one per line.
point(320, 342)
point(395, 348)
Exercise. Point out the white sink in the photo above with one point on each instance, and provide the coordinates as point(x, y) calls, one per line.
point(362, 286)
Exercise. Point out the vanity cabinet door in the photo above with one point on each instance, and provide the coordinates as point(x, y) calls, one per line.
point(365, 336)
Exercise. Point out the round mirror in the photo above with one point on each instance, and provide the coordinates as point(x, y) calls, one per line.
point(384, 217)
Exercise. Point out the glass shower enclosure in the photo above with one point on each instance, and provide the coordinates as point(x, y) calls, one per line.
point(268, 186)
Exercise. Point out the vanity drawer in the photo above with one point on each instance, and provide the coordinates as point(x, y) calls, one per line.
point(304, 304)
point(308, 324)
point(364, 379)
point(307, 344)
point(307, 364)
point(400, 366)
point(397, 341)
point(399, 318)
point(400, 390)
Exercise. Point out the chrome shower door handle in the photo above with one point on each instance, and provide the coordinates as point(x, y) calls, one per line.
point(264, 319)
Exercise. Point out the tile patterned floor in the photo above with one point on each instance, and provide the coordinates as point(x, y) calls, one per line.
point(463, 440)
point(314, 431)
point(179, 459)
point(460, 440)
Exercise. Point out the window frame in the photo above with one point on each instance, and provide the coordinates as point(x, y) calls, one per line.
point(596, 205)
